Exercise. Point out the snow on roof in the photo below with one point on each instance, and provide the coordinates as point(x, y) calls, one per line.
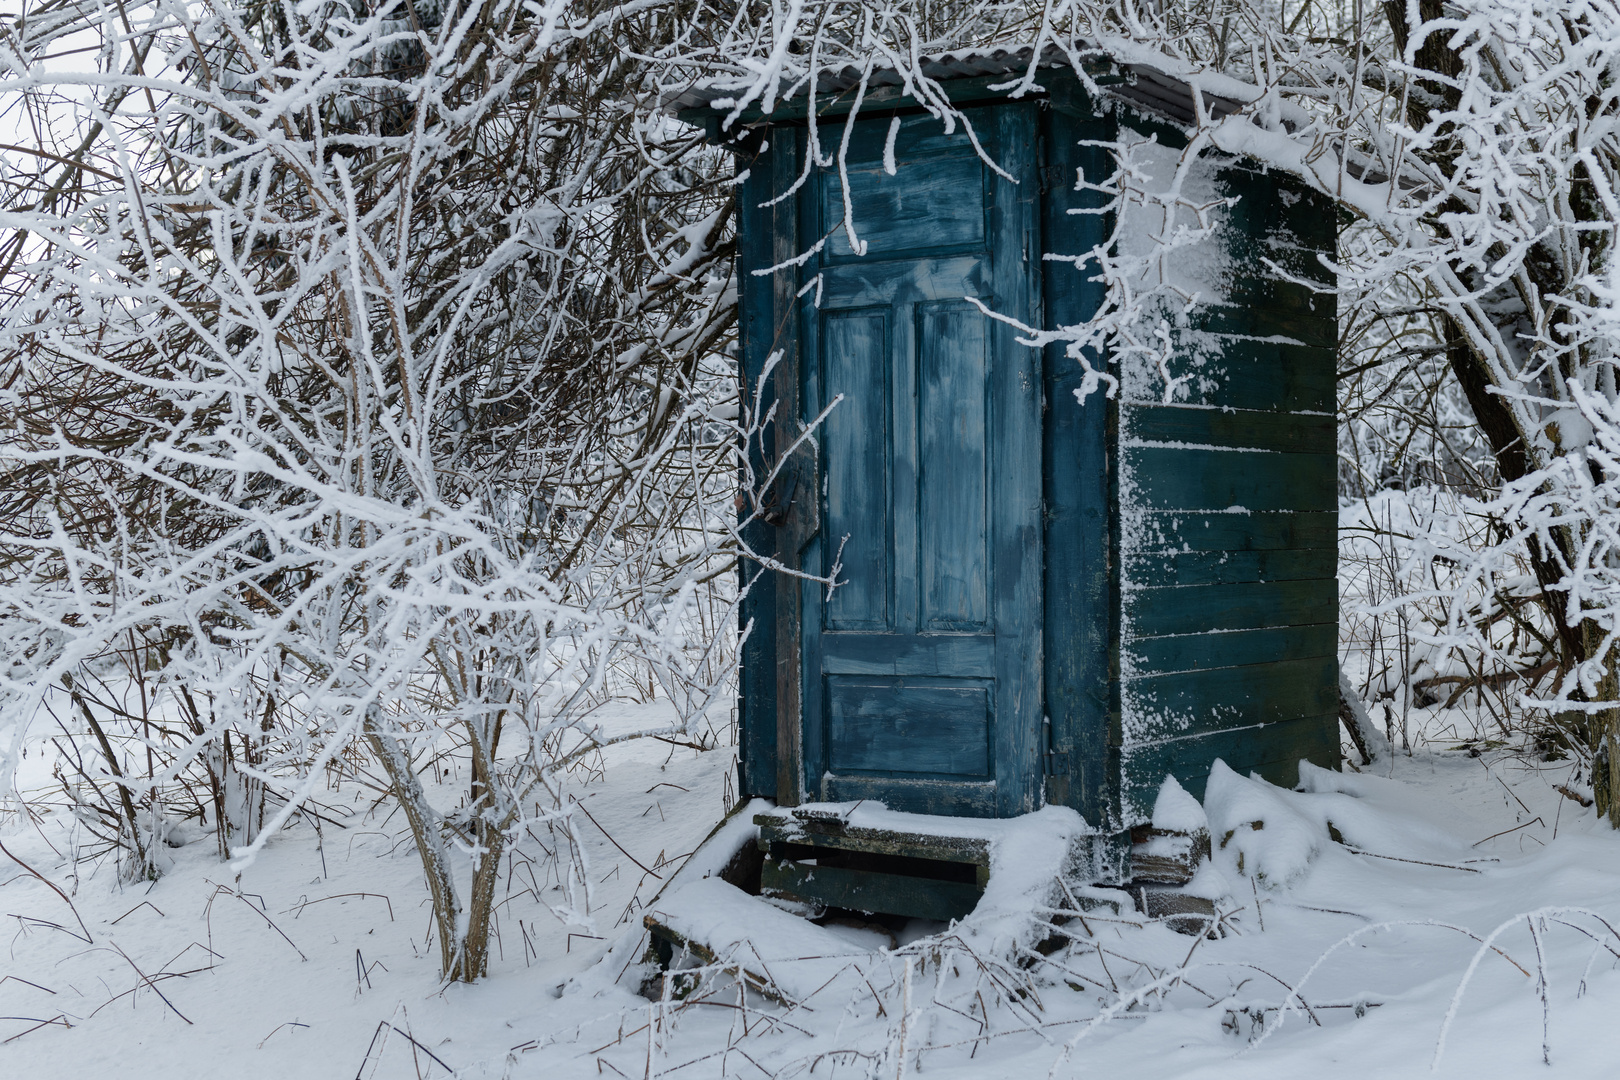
point(1143, 85)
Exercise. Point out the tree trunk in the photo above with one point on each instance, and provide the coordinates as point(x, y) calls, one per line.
point(424, 822)
point(463, 950)
point(1604, 731)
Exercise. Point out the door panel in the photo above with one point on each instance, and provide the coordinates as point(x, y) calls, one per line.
point(931, 728)
point(920, 210)
point(920, 676)
point(953, 430)
point(857, 466)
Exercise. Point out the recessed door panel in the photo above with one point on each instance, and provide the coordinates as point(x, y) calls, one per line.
point(910, 727)
point(938, 204)
point(954, 452)
point(855, 442)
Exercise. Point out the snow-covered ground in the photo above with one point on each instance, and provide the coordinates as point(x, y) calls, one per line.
point(319, 963)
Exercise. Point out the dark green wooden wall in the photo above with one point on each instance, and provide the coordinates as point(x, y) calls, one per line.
point(1228, 594)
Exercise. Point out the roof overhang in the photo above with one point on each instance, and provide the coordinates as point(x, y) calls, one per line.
point(963, 77)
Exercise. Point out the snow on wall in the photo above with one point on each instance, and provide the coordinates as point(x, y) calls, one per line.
point(1182, 242)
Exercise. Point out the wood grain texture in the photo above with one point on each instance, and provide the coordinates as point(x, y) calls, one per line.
point(1204, 650)
point(784, 235)
point(1256, 374)
point(756, 705)
point(1272, 750)
point(869, 891)
point(1181, 530)
point(1164, 478)
point(1077, 477)
point(920, 211)
point(1298, 433)
point(926, 661)
point(1228, 567)
point(1194, 609)
point(1187, 703)
point(781, 827)
point(856, 445)
point(898, 727)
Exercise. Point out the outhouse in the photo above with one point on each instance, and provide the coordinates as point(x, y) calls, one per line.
point(1044, 598)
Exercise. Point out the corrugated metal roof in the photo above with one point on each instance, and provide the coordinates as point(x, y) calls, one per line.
point(1143, 86)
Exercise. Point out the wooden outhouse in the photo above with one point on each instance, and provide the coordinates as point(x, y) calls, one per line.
point(1044, 599)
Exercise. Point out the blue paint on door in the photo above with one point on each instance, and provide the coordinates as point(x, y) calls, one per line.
point(921, 674)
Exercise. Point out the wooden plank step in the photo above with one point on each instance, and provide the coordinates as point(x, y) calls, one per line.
point(862, 857)
point(870, 891)
point(826, 828)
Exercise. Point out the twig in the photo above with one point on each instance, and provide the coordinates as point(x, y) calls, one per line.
point(85, 937)
point(227, 890)
point(149, 983)
point(381, 1024)
point(1516, 828)
point(1570, 794)
point(278, 1027)
point(137, 907)
point(59, 1018)
point(53, 888)
point(614, 842)
point(341, 895)
point(1419, 862)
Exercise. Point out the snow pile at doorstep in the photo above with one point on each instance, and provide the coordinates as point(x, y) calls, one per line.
point(790, 955)
point(1029, 856)
point(1177, 811)
point(1273, 835)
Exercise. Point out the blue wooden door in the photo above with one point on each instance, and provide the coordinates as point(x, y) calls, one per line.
point(920, 675)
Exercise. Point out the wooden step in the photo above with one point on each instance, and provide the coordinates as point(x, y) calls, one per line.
point(890, 863)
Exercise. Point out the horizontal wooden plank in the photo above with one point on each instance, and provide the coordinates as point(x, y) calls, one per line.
point(877, 283)
point(1272, 296)
point(1298, 433)
point(1227, 567)
point(932, 204)
point(1273, 205)
point(962, 655)
point(1272, 750)
point(1274, 375)
point(1187, 703)
point(1232, 648)
point(781, 827)
point(1192, 609)
point(1161, 478)
point(862, 890)
point(951, 798)
point(1309, 329)
point(1246, 372)
point(1268, 531)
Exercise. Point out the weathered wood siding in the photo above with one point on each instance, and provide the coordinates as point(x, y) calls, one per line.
point(1227, 503)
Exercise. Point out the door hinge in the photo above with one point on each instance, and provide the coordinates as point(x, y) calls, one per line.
point(1057, 764)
